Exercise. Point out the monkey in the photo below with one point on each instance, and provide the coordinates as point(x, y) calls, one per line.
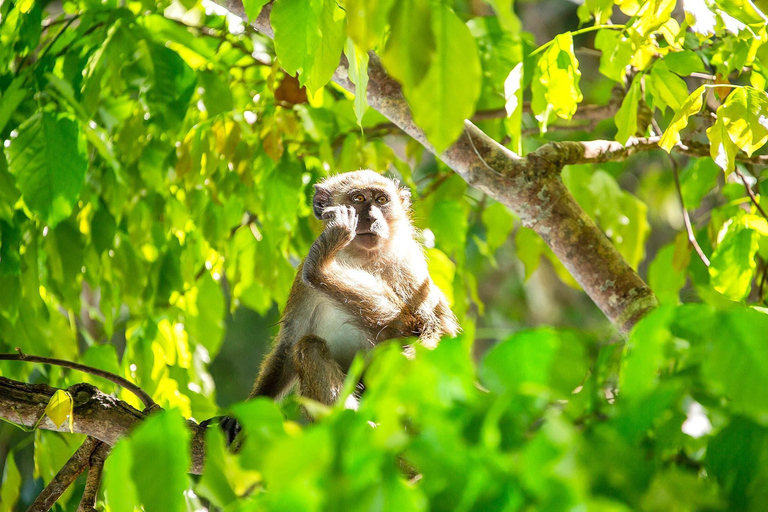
point(364, 280)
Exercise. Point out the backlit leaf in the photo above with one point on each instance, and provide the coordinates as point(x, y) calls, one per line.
point(555, 85)
point(48, 160)
point(691, 106)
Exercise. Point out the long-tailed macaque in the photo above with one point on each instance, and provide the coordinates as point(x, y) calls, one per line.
point(365, 280)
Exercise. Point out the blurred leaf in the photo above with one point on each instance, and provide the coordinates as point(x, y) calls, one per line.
point(737, 458)
point(513, 96)
point(697, 180)
point(448, 93)
point(253, 8)
point(160, 460)
point(442, 270)
point(733, 262)
point(358, 74)
point(103, 357)
point(531, 361)
point(664, 279)
point(119, 486)
point(626, 117)
point(644, 355)
point(498, 221)
point(366, 20)
point(10, 485)
point(48, 160)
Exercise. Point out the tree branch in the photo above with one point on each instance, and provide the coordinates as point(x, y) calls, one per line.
point(120, 381)
point(65, 477)
point(530, 186)
point(101, 416)
point(93, 482)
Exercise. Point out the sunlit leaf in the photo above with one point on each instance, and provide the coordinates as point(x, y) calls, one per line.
point(692, 105)
point(555, 85)
point(60, 407)
point(48, 160)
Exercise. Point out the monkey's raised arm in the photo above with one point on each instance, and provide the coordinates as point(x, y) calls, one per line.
point(363, 294)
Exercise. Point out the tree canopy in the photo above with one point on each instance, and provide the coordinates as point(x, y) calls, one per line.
point(588, 178)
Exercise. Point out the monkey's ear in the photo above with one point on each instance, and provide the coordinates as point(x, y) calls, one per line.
point(405, 197)
point(321, 201)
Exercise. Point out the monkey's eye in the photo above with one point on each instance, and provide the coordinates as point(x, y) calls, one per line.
point(358, 198)
point(382, 199)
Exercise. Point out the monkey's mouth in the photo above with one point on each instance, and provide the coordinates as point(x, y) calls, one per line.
point(368, 240)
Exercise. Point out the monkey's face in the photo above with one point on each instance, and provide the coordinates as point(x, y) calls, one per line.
point(379, 203)
point(374, 208)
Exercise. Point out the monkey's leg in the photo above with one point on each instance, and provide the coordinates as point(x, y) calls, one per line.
point(320, 376)
point(275, 377)
point(276, 373)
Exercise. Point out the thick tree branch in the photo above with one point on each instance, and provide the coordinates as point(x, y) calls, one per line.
point(65, 477)
point(101, 416)
point(93, 482)
point(530, 186)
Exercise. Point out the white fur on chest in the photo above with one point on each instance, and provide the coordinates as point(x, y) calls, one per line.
point(339, 330)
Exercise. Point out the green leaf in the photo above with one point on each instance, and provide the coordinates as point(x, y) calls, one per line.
point(616, 53)
point(253, 8)
point(664, 278)
point(737, 457)
point(721, 147)
point(9, 194)
point(358, 75)
point(448, 93)
point(619, 214)
point(103, 357)
point(626, 117)
point(733, 265)
point(554, 360)
point(745, 116)
point(448, 221)
point(411, 42)
point(645, 354)
point(498, 221)
point(555, 85)
point(366, 20)
point(691, 106)
point(666, 88)
point(697, 180)
point(309, 38)
point(160, 455)
point(513, 104)
point(119, 487)
point(443, 271)
point(10, 484)
point(12, 97)
point(210, 314)
point(684, 63)
point(48, 160)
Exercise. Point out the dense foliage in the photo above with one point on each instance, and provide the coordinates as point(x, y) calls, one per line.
point(156, 176)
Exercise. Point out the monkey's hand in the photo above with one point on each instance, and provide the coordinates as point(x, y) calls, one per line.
point(342, 224)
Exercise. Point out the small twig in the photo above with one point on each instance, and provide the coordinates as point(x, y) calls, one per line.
point(750, 193)
point(116, 379)
point(686, 217)
point(93, 482)
point(64, 478)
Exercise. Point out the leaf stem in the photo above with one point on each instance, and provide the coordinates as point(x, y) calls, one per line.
point(576, 33)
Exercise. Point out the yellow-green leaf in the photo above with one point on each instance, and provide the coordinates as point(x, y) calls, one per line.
point(691, 106)
point(555, 85)
point(59, 407)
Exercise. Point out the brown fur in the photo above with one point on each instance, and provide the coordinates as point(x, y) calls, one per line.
point(364, 280)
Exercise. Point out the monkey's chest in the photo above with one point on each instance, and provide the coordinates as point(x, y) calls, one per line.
point(340, 331)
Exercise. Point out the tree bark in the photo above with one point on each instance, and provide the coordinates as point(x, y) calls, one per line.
point(100, 416)
point(531, 186)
